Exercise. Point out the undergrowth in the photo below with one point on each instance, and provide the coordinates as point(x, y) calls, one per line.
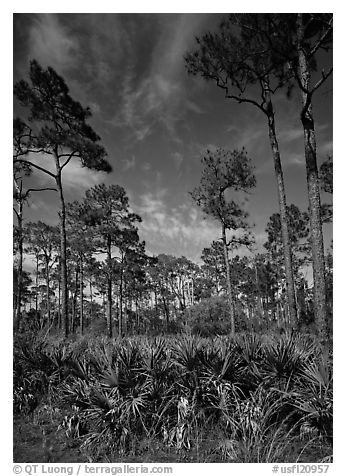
point(183, 398)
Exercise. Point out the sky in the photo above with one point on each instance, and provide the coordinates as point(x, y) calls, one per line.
point(156, 122)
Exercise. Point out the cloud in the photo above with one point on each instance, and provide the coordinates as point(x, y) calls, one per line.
point(178, 159)
point(251, 135)
point(158, 98)
point(74, 177)
point(180, 231)
point(89, 50)
point(146, 166)
point(50, 43)
point(326, 148)
point(151, 103)
point(129, 164)
point(289, 135)
point(294, 159)
point(192, 106)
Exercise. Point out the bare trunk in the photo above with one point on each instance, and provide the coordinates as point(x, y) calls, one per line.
point(63, 257)
point(109, 288)
point(74, 301)
point(282, 206)
point(91, 298)
point(59, 304)
point(18, 313)
point(228, 281)
point(121, 303)
point(259, 300)
point(81, 308)
point(166, 310)
point(36, 284)
point(137, 315)
point(47, 292)
point(317, 247)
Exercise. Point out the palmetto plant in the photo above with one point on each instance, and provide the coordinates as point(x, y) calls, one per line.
point(34, 372)
point(262, 394)
point(284, 360)
point(313, 398)
point(107, 422)
point(250, 350)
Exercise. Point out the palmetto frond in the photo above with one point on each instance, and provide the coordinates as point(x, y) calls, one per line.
point(283, 361)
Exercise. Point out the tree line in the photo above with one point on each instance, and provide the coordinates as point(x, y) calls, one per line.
point(251, 57)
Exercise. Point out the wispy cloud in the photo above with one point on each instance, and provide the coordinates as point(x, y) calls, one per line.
point(251, 135)
point(129, 164)
point(146, 166)
point(178, 159)
point(77, 176)
point(289, 135)
point(180, 230)
point(74, 177)
point(159, 97)
point(144, 99)
point(294, 159)
point(50, 43)
point(326, 148)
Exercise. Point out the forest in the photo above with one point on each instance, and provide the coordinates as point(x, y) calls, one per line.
point(124, 354)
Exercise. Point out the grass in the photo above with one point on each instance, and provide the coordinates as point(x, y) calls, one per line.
point(183, 398)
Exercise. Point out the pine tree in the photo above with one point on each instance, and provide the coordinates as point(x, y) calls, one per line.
point(57, 129)
point(225, 171)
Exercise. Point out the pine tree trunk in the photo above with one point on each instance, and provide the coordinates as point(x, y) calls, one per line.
point(137, 315)
point(166, 311)
point(19, 267)
point(59, 304)
point(282, 206)
point(63, 255)
point(36, 284)
point(259, 299)
point(74, 301)
point(228, 281)
point(317, 247)
point(81, 308)
point(47, 292)
point(109, 288)
point(91, 298)
point(120, 329)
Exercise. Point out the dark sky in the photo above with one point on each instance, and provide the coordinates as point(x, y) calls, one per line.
point(155, 121)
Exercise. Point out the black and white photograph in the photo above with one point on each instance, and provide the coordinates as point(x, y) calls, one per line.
point(172, 239)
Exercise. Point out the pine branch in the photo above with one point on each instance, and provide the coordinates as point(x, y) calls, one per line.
point(35, 166)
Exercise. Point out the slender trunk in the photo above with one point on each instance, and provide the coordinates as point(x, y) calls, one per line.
point(259, 300)
point(81, 308)
point(47, 291)
point(91, 298)
point(120, 330)
point(63, 256)
point(109, 288)
point(36, 284)
point(282, 206)
point(74, 301)
point(59, 304)
point(156, 307)
point(228, 281)
point(166, 309)
point(183, 304)
point(317, 247)
point(137, 315)
point(18, 313)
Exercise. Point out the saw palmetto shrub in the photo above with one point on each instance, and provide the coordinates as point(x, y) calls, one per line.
point(246, 398)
